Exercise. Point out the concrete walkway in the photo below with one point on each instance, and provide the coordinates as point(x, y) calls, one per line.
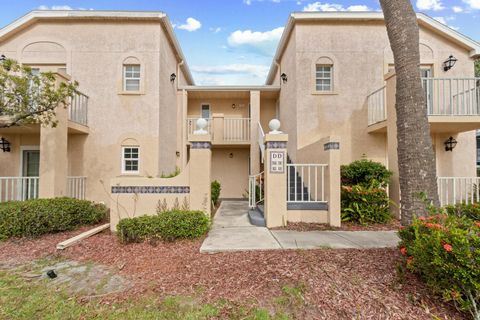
point(231, 231)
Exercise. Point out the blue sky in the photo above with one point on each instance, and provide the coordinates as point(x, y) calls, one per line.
point(233, 41)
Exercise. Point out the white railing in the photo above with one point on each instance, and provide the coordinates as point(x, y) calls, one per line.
point(261, 144)
point(306, 183)
point(377, 110)
point(192, 125)
point(452, 97)
point(76, 187)
point(255, 185)
point(18, 188)
point(236, 129)
point(452, 190)
point(78, 109)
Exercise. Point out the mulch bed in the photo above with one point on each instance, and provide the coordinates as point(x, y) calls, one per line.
point(394, 225)
point(340, 284)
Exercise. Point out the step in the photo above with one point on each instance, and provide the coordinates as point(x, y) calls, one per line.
point(256, 218)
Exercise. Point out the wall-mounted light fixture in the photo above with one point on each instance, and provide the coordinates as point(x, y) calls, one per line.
point(177, 153)
point(234, 105)
point(284, 78)
point(450, 144)
point(4, 145)
point(230, 155)
point(173, 76)
point(3, 57)
point(449, 63)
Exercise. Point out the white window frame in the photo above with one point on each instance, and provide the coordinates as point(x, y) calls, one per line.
point(124, 167)
point(209, 110)
point(324, 78)
point(139, 78)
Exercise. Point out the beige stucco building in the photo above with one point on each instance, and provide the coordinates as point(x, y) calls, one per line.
point(331, 84)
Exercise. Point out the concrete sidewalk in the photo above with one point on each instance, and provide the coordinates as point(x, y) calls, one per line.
point(231, 231)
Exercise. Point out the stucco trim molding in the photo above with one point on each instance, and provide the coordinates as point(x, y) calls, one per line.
point(331, 146)
point(276, 145)
point(150, 189)
point(201, 145)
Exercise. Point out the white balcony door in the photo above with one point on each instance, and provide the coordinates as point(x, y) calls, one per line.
point(426, 72)
point(30, 161)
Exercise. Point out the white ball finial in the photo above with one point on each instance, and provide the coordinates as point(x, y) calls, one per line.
point(201, 125)
point(274, 125)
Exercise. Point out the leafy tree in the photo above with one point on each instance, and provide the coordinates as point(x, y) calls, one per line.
point(26, 98)
point(416, 158)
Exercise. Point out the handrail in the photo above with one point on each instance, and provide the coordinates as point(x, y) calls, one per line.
point(306, 183)
point(255, 181)
point(261, 144)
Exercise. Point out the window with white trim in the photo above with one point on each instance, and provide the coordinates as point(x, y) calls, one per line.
point(324, 77)
point(130, 159)
point(131, 77)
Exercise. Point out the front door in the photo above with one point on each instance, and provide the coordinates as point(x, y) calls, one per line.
point(30, 169)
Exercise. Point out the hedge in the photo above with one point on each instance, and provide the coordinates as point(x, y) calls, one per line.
point(365, 205)
point(471, 210)
point(445, 251)
point(168, 225)
point(40, 216)
point(364, 172)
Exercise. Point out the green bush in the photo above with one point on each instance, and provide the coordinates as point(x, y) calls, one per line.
point(40, 216)
point(365, 204)
point(169, 226)
point(215, 190)
point(364, 172)
point(471, 210)
point(445, 251)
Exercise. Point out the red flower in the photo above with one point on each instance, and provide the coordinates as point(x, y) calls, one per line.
point(447, 247)
point(433, 226)
point(409, 261)
point(403, 250)
point(422, 219)
point(477, 223)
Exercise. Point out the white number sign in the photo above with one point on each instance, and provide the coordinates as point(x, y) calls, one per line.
point(277, 161)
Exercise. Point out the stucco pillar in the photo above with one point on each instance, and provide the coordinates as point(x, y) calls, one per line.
point(200, 167)
point(394, 184)
point(254, 121)
point(275, 180)
point(54, 157)
point(332, 148)
point(182, 106)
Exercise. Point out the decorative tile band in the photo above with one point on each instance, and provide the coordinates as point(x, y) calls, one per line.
point(150, 189)
point(276, 145)
point(331, 146)
point(201, 145)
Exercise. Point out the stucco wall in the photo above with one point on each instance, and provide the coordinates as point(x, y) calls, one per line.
point(231, 172)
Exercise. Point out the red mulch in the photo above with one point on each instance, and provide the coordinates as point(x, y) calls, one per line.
point(394, 225)
point(340, 284)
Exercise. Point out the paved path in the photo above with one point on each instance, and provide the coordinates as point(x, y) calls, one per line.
point(232, 231)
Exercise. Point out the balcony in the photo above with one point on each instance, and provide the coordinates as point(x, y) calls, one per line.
point(453, 105)
point(224, 131)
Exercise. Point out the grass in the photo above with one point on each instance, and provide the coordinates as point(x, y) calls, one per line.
point(32, 299)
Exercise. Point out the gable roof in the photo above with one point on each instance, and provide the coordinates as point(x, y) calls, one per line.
point(36, 15)
point(423, 20)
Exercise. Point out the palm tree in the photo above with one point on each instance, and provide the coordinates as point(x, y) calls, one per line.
point(416, 158)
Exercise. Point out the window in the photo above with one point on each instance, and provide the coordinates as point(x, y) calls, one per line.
point(205, 111)
point(324, 77)
point(130, 159)
point(131, 77)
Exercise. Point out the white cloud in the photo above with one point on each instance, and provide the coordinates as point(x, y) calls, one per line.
point(230, 74)
point(435, 5)
point(247, 2)
point(457, 9)
point(474, 4)
point(62, 7)
point(216, 30)
point(445, 20)
point(191, 24)
point(319, 6)
point(249, 37)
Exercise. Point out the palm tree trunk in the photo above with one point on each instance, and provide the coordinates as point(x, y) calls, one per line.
point(416, 158)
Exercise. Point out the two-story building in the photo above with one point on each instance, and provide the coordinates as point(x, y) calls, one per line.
point(332, 75)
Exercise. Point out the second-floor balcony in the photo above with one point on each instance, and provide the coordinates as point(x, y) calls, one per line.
point(224, 130)
point(453, 105)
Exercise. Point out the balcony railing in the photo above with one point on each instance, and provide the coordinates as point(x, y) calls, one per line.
point(224, 130)
point(78, 110)
point(192, 125)
point(25, 188)
point(306, 183)
point(445, 97)
point(452, 190)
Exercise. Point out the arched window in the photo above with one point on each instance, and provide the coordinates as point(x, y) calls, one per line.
point(324, 81)
point(132, 75)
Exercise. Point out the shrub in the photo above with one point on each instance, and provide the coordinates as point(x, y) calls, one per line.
point(365, 204)
point(364, 172)
point(40, 216)
point(215, 189)
point(169, 226)
point(445, 251)
point(471, 210)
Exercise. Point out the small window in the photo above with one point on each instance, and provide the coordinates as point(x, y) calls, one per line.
point(130, 160)
point(205, 111)
point(131, 78)
point(324, 78)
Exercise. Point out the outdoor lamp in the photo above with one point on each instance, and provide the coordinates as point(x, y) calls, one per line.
point(449, 63)
point(284, 78)
point(173, 76)
point(4, 145)
point(450, 143)
point(234, 105)
point(3, 57)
